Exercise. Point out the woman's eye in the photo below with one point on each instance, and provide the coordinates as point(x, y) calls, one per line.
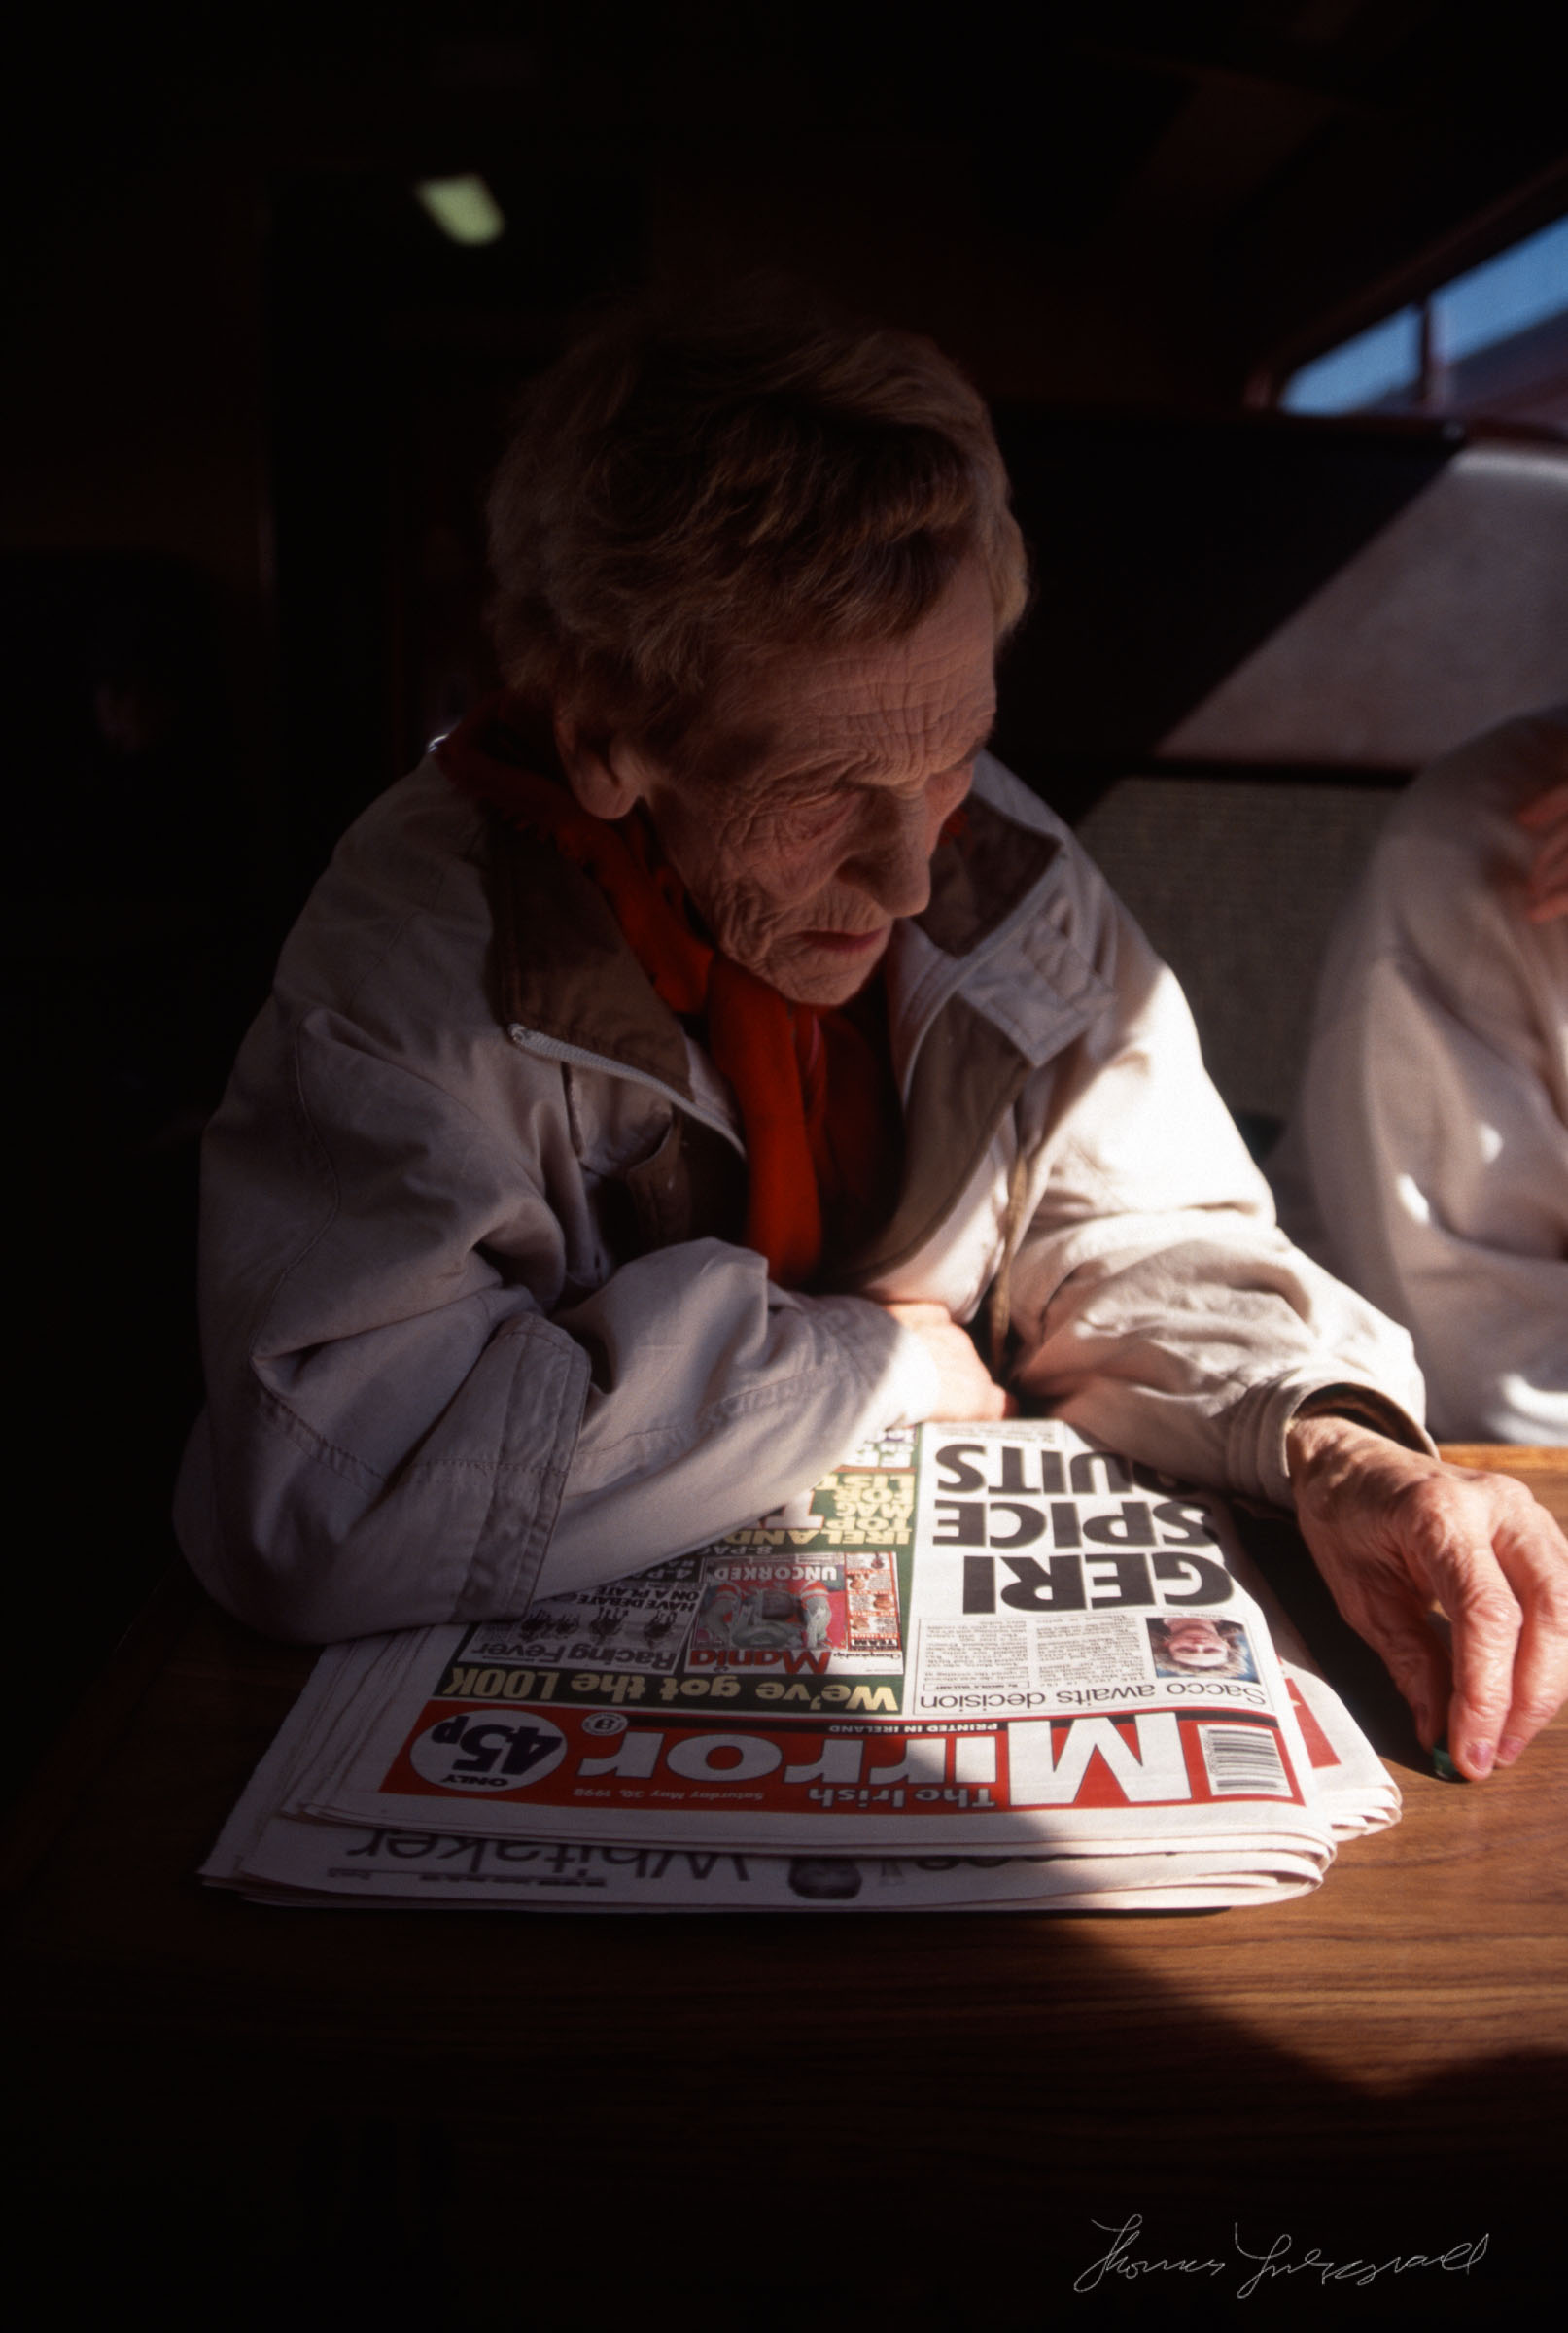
point(809, 819)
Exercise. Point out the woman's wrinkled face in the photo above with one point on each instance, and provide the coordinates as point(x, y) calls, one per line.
point(801, 843)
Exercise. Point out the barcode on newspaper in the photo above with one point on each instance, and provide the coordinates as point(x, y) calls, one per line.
point(1243, 1760)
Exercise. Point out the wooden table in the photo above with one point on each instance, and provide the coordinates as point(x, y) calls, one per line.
point(937, 2115)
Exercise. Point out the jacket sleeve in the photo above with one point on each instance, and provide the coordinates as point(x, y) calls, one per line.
point(402, 1416)
point(1433, 1120)
point(1157, 1305)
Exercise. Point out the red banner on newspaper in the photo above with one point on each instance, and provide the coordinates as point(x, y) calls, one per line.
point(572, 1758)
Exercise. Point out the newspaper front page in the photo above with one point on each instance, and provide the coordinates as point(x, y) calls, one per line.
point(976, 1665)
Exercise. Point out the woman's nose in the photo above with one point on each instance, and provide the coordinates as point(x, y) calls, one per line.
point(892, 860)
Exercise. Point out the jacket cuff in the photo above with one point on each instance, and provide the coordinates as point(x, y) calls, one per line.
point(1256, 1457)
point(1365, 1405)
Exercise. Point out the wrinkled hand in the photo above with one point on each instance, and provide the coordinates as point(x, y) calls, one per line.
point(967, 1389)
point(1392, 1532)
point(1545, 887)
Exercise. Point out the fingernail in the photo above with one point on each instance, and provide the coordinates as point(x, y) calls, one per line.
point(1508, 1750)
point(1479, 1756)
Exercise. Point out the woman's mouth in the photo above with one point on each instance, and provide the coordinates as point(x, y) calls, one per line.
point(846, 943)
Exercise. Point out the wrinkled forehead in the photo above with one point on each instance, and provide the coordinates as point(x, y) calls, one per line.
point(888, 713)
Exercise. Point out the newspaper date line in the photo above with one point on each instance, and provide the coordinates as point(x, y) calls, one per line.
point(1280, 2259)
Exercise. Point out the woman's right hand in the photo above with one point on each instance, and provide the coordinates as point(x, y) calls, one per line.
point(1545, 887)
point(969, 1390)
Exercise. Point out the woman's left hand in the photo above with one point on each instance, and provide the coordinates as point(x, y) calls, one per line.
point(1394, 1532)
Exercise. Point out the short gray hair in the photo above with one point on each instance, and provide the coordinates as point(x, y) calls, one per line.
point(690, 488)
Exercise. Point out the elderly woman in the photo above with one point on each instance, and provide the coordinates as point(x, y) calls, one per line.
point(661, 1074)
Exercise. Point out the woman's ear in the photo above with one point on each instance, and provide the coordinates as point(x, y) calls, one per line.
point(605, 771)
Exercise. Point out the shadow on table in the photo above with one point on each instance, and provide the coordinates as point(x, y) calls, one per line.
point(347, 2120)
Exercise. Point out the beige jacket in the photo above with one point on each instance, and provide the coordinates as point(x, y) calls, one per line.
point(475, 1323)
point(1428, 1158)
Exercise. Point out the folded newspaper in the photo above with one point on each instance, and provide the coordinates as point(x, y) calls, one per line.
point(979, 1666)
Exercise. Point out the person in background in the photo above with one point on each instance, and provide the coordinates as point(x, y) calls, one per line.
point(1427, 1161)
point(666, 1076)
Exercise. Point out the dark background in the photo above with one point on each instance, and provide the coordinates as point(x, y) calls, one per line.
point(252, 396)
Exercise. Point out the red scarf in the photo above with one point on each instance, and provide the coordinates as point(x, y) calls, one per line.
point(818, 1102)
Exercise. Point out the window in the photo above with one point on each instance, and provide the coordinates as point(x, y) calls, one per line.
point(1492, 341)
